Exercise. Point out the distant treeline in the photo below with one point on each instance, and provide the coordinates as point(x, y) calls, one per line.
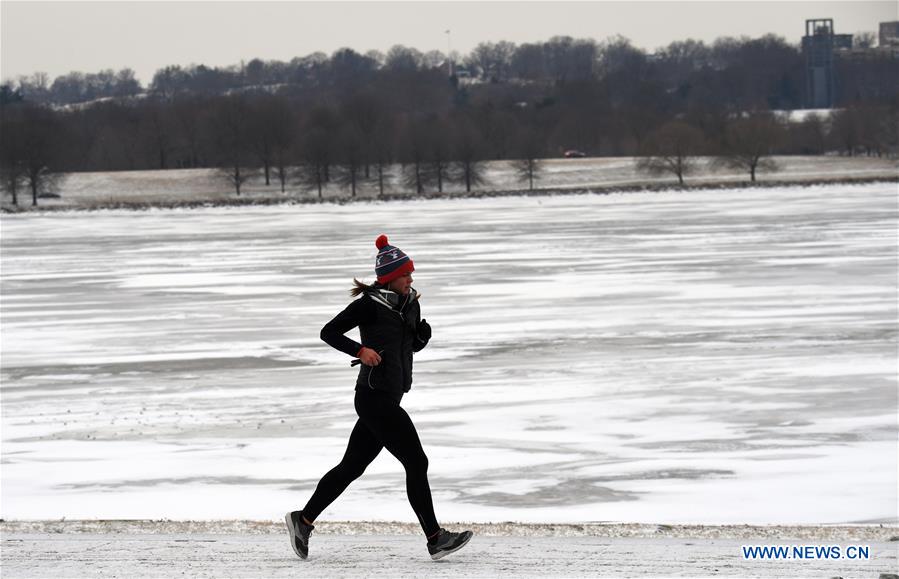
point(737, 73)
point(319, 118)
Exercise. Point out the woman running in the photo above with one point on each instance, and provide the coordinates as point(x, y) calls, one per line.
point(389, 320)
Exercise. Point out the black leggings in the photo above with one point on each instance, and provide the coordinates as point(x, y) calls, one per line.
point(382, 424)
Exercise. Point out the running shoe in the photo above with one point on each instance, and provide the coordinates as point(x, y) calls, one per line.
point(447, 543)
point(299, 533)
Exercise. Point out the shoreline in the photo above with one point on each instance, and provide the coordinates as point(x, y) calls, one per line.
point(275, 200)
point(827, 532)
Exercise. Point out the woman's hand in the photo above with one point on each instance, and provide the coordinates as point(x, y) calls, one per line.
point(369, 357)
point(424, 331)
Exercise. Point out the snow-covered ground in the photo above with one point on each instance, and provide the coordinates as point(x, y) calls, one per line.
point(363, 549)
point(717, 356)
point(216, 555)
point(88, 190)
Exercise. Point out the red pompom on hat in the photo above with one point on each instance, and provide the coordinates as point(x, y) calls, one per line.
point(391, 262)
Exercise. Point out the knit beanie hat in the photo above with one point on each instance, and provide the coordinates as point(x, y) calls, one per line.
point(391, 262)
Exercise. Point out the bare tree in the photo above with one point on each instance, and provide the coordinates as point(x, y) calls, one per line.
point(364, 112)
point(382, 149)
point(416, 174)
point(232, 129)
point(529, 62)
point(845, 130)
point(875, 128)
point(616, 53)
point(156, 128)
point(438, 166)
point(809, 136)
point(528, 170)
point(12, 166)
point(350, 158)
point(469, 157)
point(376, 57)
point(283, 149)
point(12, 176)
point(325, 124)
point(317, 148)
point(681, 58)
point(348, 69)
point(639, 112)
point(12, 180)
point(498, 130)
point(433, 59)
point(414, 152)
point(673, 148)
point(530, 149)
point(126, 84)
point(35, 88)
point(494, 60)
point(167, 82)
point(261, 138)
point(190, 138)
point(272, 133)
point(890, 129)
point(31, 141)
point(316, 155)
point(402, 58)
point(865, 40)
point(281, 166)
point(749, 142)
point(254, 73)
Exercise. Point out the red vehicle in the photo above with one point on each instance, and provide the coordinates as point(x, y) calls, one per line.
point(574, 154)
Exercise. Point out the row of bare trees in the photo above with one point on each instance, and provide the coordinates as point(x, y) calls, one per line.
point(348, 145)
point(676, 148)
point(29, 150)
point(156, 133)
point(750, 139)
point(76, 87)
point(355, 140)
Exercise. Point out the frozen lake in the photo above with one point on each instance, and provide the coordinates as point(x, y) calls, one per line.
point(724, 356)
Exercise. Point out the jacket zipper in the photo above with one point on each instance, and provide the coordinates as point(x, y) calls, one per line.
point(402, 357)
point(402, 353)
point(371, 369)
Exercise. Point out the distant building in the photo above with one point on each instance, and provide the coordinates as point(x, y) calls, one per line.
point(818, 46)
point(889, 34)
point(842, 42)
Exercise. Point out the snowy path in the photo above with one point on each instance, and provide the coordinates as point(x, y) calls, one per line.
point(199, 555)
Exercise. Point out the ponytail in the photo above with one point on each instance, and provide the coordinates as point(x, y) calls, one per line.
point(361, 287)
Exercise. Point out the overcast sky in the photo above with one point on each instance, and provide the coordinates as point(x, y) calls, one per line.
point(60, 37)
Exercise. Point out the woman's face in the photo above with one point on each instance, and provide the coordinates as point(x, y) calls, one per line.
point(401, 284)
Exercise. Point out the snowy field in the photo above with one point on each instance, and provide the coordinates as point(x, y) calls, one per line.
point(718, 356)
point(89, 190)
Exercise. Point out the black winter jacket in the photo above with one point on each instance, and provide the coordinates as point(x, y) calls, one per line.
point(391, 330)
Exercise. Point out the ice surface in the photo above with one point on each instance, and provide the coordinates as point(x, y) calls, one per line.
point(721, 356)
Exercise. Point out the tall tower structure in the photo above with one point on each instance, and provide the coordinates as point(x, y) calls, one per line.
point(817, 46)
